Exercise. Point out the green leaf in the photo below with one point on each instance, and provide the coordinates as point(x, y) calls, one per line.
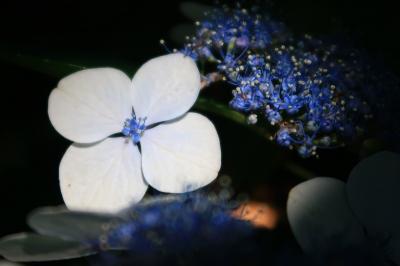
point(223, 110)
point(59, 67)
point(47, 66)
point(32, 247)
point(69, 225)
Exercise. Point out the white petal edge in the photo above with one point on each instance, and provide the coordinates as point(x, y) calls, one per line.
point(373, 190)
point(105, 177)
point(165, 87)
point(321, 219)
point(90, 105)
point(182, 155)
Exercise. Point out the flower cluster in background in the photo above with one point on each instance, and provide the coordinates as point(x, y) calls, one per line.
point(314, 94)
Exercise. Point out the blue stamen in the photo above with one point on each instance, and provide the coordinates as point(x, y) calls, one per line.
point(134, 128)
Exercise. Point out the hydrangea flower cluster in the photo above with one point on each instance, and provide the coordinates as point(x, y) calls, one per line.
point(310, 91)
point(227, 33)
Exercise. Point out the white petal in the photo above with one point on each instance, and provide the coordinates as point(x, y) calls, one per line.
point(91, 104)
point(103, 177)
point(374, 195)
point(321, 219)
point(181, 155)
point(165, 87)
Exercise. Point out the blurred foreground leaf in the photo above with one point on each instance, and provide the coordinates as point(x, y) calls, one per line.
point(69, 225)
point(321, 219)
point(32, 247)
point(7, 263)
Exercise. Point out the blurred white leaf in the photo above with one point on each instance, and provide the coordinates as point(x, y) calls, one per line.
point(31, 247)
point(320, 217)
point(69, 225)
point(7, 263)
point(373, 192)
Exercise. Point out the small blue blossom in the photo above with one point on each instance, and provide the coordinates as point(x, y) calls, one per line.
point(247, 98)
point(283, 137)
point(134, 128)
point(273, 116)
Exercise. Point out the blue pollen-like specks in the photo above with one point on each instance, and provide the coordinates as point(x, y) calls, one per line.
point(134, 128)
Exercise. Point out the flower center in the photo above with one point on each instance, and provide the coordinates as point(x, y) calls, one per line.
point(134, 128)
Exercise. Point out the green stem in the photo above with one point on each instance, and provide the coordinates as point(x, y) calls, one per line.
point(222, 110)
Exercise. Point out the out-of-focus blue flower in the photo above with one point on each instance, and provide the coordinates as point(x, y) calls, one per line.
point(172, 218)
point(314, 93)
point(178, 228)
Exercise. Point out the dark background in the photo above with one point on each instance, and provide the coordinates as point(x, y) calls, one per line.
point(118, 33)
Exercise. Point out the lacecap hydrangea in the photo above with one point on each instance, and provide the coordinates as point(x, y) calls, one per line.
point(314, 94)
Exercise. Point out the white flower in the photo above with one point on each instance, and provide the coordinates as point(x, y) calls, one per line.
point(178, 152)
point(329, 217)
